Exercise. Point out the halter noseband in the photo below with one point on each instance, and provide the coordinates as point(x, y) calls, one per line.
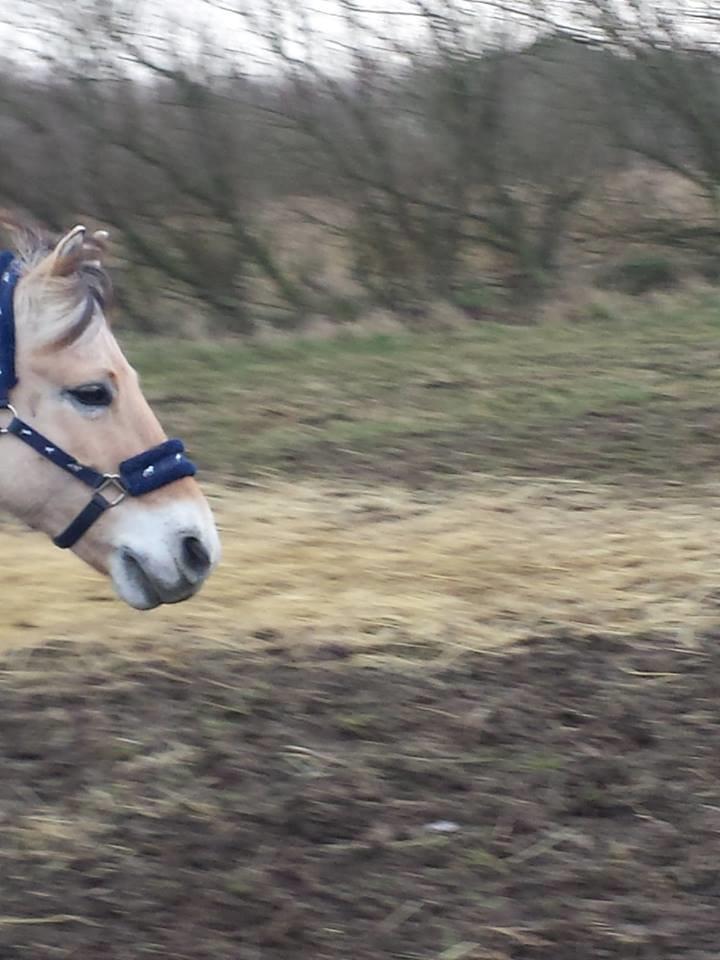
point(147, 471)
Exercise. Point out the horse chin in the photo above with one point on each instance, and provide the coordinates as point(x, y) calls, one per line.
point(136, 592)
point(137, 599)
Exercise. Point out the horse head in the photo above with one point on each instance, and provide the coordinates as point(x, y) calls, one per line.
point(67, 390)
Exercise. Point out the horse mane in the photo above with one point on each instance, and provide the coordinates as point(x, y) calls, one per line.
point(91, 288)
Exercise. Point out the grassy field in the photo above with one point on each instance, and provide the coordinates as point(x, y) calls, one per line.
point(631, 390)
point(452, 694)
point(463, 488)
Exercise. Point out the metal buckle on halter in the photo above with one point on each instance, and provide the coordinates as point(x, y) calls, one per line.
point(13, 413)
point(113, 480)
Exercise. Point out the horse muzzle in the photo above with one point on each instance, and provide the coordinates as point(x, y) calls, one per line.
point(161, 556)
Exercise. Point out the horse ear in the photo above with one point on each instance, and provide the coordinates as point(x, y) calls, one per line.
point(74, 250)
point(95, 247)
point(67, 254)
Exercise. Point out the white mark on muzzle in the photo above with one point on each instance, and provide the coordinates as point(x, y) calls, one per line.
point(153, 535)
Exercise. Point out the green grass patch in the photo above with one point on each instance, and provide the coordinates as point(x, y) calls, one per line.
point(636, 394)
point(640, 273)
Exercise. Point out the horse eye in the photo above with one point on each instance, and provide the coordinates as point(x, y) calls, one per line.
point(92, 395)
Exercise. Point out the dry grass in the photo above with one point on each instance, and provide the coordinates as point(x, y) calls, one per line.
point(382, 567)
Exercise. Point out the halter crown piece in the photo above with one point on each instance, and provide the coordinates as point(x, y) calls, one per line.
point(147, 471)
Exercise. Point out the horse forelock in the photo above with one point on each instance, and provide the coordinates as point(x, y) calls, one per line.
point(76, 295)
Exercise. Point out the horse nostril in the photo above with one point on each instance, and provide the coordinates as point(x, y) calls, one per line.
point(195, 555)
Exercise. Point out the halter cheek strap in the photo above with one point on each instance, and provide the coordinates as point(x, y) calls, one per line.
point(8, 280)
point(150, 470)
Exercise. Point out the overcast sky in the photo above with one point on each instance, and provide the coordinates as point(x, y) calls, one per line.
point(24, 29)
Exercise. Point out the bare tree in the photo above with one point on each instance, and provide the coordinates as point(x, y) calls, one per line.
point(664, 84)
point(441, 134)
point(453, 132)
point(153, 139)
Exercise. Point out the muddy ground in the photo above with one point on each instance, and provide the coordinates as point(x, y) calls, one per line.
point(554, 802)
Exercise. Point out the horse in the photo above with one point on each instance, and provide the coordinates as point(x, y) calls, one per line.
point(123, 498)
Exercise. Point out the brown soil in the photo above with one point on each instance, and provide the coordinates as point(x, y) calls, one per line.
point(555, 802)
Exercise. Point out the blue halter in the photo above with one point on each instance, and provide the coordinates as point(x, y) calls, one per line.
point(139, 475)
